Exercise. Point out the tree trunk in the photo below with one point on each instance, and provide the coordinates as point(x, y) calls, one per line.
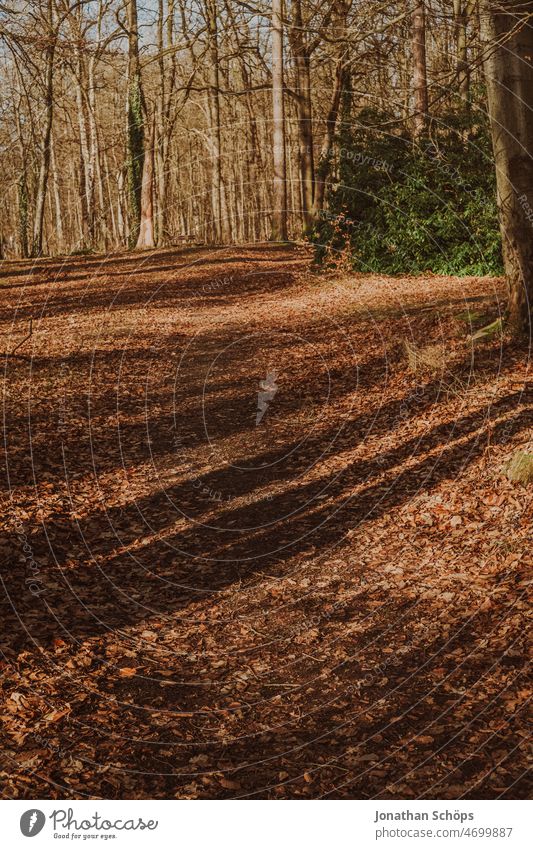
point(507, 42)
point(219, 212)
point(460, 14)
point(23, 215)
point(304, 111)
point(42, 184)
point(146, 237)
point(341, 79)
point(86, 174)
point(326, 153)
point(160, 138)
point(100, 221)
point(22, 191)
point(60, 244)
point(110, 202)
point(122, 205)
point(420, 85)
point(279, 201)
point(163, 112)
point(135, 125)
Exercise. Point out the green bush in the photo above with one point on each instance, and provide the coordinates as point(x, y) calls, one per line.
point(401, 208)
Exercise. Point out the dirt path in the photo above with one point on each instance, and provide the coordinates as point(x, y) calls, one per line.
point(247, 551)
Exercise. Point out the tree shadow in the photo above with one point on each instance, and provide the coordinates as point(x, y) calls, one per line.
point(193, 290)
point(365, 725)
point(162, 575)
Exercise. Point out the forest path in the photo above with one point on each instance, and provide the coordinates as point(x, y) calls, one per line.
point(247, 550)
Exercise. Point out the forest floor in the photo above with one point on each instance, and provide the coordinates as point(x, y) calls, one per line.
point(319, 591)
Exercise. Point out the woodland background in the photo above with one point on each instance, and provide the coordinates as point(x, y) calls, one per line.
point(384, 127)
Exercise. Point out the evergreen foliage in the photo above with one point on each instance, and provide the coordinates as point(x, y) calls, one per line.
point(398, 207)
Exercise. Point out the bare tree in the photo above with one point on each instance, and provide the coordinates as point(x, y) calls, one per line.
point(301, 53)
point(50, 33)
point(508, 52)
point(279, 204)
point(420, 85)
point(135, 122)
point(460, 15)
point(340, 79)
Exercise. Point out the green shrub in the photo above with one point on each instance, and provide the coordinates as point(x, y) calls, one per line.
point(403, 208)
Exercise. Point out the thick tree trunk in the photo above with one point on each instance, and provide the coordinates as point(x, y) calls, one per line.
point(460, 14)
point(135, 126)
point(305, 118)
point(146, 228)
point(420, 85)
point(44, 170)
point(279, 200)
point(507, 36)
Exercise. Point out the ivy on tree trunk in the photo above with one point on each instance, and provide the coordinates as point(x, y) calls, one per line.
point(135, 154)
